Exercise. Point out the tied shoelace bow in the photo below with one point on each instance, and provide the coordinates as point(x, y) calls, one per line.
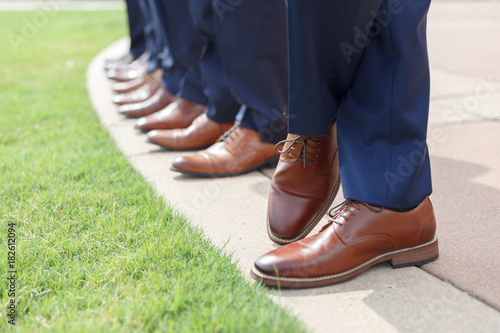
point(303, 153)
point(342, 212)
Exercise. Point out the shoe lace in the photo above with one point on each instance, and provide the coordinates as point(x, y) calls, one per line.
point(304, 155)
point(228, 135)
point(340, 213)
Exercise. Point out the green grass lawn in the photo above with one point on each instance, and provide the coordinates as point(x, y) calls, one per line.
point(97, 250)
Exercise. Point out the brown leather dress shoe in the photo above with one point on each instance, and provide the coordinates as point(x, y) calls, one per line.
point(129, 72)
point(304, 185)
point(358, 237)
point(155, 103)
point(124, 60)
point(178, 114)
point(126, 75)
point(202, 133)
point(150, 86)
point(125, 87)
point(239, 151)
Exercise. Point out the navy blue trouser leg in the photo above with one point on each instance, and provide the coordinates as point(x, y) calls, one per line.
point(253, 42)
point(364, 62)
point(153, 39)
point(222, 106)
point(136, 26)
point(182, 64)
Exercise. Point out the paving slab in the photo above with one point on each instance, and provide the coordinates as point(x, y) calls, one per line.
point(232, 213)
point(466, 179)
point(463, 37)
point(448, 84)
point(464, 140)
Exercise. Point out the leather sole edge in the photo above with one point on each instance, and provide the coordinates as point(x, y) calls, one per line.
point(415, 256)
point(269, 162)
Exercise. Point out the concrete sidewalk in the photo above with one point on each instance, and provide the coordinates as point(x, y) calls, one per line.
point(461, 290)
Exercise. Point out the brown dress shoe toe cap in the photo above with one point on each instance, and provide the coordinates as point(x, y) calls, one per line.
point(303, 208)
point(151, 122)
point(164, 138)
point(196, 164)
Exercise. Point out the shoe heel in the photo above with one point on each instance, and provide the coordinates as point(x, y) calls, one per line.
point(416, 257)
